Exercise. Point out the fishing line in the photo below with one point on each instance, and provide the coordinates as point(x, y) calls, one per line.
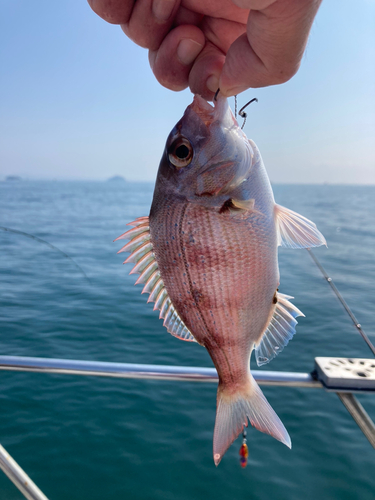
point(341, 299)
point(40, 240)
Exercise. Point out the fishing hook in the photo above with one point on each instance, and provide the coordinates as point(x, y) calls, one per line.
point(216, 94)
point(243, 114)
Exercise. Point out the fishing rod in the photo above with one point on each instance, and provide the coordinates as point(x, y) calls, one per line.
point(342, 300)
point(40, 240)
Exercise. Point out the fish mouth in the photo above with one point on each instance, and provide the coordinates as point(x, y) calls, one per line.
point(208, 113)
point(203, 109)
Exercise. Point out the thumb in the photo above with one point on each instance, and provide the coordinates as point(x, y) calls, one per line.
point(271, 50)
point(243, 69)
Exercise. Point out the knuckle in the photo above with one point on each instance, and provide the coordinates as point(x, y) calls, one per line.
point(112, 11)
point(170, 79)
point(145, 38)
point(276, 74)
point(172, 84)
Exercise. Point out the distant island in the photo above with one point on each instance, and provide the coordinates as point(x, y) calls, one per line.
point(13, 178)
point(117, 178)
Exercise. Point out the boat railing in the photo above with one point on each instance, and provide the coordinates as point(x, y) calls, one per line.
point(344, 376)
point(345, 387)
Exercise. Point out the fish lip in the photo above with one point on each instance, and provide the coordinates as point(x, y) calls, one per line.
point(203, 109)
point(221, 110)
point(208, 113)
point(199, 103)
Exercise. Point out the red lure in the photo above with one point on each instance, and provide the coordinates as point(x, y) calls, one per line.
point(244, 450)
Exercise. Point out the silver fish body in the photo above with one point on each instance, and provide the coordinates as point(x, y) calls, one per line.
point(214, 229)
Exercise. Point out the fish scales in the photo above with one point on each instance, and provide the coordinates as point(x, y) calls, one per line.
point(214, 229)
point(216, 301)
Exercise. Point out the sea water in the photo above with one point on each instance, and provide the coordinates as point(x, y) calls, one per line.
point(95, 438)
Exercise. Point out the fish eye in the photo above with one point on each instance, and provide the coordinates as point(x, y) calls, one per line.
point(180, 152)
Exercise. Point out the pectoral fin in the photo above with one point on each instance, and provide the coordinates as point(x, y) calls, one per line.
point(281, 329)
point(244, 204)
point(295, 231)
point(237, 206)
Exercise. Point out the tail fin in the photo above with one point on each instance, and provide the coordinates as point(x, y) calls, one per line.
point(232, 413)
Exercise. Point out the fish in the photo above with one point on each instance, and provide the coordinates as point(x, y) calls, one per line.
point(207, 257)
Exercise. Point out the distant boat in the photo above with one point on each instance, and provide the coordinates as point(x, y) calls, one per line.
point(13, 178)
point(117, 178)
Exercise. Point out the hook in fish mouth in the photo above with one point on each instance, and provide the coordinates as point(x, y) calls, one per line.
point(203, 109)
point(209, 113)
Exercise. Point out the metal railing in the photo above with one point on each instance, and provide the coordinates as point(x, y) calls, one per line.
point(158, 372)
point(139, 371)
point(19, 477)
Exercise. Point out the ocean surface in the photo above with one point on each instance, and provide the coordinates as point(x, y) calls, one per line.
point(94, 438)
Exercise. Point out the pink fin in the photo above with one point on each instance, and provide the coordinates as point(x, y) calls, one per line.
point(147, 272)
point(135, 242)
point(159, 285)
point(233, 410)
point(132, 233)
point(295, 231)
point(141, 254)
point(138, 221)
point(280, 330)
point(143, 263)
point(151, 282)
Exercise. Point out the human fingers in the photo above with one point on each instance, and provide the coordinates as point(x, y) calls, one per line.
point(271, 51)
point(205, 73)
point(172, 62)
point(113, 11)
point(203, 67)
point(253, 4)
point(119, 11)
point(146, 22)
point(150, 21)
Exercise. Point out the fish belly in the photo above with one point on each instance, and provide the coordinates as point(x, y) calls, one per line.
point(220, 271)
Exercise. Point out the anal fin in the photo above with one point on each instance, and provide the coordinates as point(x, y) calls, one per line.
point(280, 330)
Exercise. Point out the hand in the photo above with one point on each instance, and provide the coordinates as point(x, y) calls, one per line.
point(207, 44)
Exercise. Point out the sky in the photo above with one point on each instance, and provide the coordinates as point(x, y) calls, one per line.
point(79, 101)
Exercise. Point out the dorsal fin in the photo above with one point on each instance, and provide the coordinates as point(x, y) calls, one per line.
point(140, 249)
point(280, 330)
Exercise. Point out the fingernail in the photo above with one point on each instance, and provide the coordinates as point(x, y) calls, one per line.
point(188, 50)
point(212, 83)
point(162, 9)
